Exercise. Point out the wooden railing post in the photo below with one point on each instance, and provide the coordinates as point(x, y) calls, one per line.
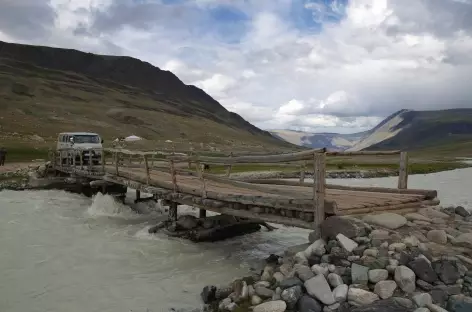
point(173, 175)
point(74, 153)
point(403, 171)
point(103, 160)
point(116, 163)
point(81, 160)
point(60, 158)
point(302, 172)
point(90, 161)
point(319, 183)
point(146, 167)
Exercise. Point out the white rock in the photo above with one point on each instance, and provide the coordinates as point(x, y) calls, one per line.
point(340, 293)
point(379, 235)
point(300, 258)
point(464, 240)
point(405, 279)
point(416, 216)
point(398, 247)
point(255, 300)
point(271, 306)
point(378, 275)
point(331, 308)
point(346, 242)
point(388, 220)
point(411, 241)
point(422, 310)
point(371, 252)
point(310, 250)
point(223, 305)
point(433, 213)
point(359, 297)
point(422, 299)
point(318, 288)
point(278, 277)
point(385, 289)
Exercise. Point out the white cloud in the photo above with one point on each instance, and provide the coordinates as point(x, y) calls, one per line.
point(363, 62)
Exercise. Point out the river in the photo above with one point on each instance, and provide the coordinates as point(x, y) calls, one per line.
point(64, 252)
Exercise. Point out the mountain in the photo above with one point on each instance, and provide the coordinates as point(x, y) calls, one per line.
point(332, 141)
point(424, 130)
point(441, 132)
point(45, 90)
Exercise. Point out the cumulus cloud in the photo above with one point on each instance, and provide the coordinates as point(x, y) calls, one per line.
point(303, 64)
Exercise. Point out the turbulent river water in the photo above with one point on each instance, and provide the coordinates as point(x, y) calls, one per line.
point(64, 252)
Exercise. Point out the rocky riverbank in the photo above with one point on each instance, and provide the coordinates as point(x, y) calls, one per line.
point(23, 178)
point(420, 262)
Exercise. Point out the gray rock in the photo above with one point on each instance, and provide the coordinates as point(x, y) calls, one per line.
point(303, 272)
point(411, 241)
point(340, 293)
point(255, 300)
point(461, 211)
point(291, 296)
point(349, 227)
point(417, 216)
point(378, 275)
point(389, 305)
point(385, 289)
point(347, 243)
point(300, 258)
point(436, 308)
point(397, 247)
point(422, 310)
point(423, 270)
point(359, 274)
point(279, 277)
point(359, 297)
point(422, 299)
point(459, 303)
point(433, 213)
point(335, 280)
point(404, 302)
point(262, 284)
point(277, 293)
point(317, 245)
point(405, 279)
point(309, 304)
point(437, 236)
point(375, 263)
point(331, 308)
point(318, 288)
point(447, 271)
point(187, 222)
point(380, 235)
point(208, 294)
point(264, 292)
point(371, 252)
point(388, 220)
point(290, 282)
point(224, 304)
point(439, 296)
point(320, 269)
point(424, 285)
point(271, 306)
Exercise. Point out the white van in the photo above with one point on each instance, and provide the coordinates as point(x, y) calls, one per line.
point(88, 143)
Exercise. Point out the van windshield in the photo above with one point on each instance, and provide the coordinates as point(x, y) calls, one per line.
point(86, 139)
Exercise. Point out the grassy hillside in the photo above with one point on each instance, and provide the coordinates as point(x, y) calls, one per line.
point(433, 133)
point(44, 91)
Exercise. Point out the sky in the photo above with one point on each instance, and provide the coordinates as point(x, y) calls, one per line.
point(311, 65)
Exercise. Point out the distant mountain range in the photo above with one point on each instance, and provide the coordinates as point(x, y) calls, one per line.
point(403, 130)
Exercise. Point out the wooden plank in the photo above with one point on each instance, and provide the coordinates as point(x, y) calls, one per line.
point(417, 204)
point(403, 171)
point(305, 155)
point(361, 153)
point(319, 182)
point(427, 193)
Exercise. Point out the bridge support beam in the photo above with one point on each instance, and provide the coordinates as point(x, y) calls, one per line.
point(202, 213)
point(173, 211)
point(138, 196)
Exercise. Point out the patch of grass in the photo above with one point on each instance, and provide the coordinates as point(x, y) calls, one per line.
point(24, 154)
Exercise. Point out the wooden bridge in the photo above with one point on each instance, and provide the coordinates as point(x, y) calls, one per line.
point(180, 179)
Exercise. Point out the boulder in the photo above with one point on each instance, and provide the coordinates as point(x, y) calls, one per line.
point(264, 292)
point(388, 220)
point(318, 288)
point(335, 280)
point(291, 296)
point(461, 211)
point(360, 297)
point(309, 304)
point(437, 236)
point(303, 272)
point(389, 305)
point(359, 274)
point(378, 275)
point(447, 271)
point(347, 243)
point(208, 294)
point(433, 213)
point(186, 222)
point(405, 279)
point(335, 225)
point(422, 299)
point(340, 293)
point(317, 245)
point(385, 289)
point(464, 240)
point(290, 282)
point(320, 269)
point(423, 270)
point(271, 306)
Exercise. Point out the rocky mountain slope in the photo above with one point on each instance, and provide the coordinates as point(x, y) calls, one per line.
point(46, 90)
point(404, 130)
